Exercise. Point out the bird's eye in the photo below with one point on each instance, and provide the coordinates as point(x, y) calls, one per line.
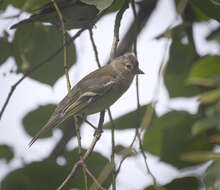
point(129, 67)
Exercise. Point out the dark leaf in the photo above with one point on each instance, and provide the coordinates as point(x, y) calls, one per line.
point(25, 5)
point(205, 67)
point(200, 156)
point(214, 35)
point(182, 56)
point(128, 120)
point(34, 43)
point(185, 183)
point(169, 136)
point(212, 174)
point(208, 7)
point(75, 15)
point(205, 124)
point(48, 174)
point(100, 4)
point(6, 49)
point(6, 153)
point(37, 118)
point(116, 5)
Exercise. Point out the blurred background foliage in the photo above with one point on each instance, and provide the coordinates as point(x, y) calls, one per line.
point(178, 138)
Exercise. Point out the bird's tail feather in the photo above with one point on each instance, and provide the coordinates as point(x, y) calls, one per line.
point(53, 122)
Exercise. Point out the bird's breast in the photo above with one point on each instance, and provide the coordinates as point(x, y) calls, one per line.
point(103, 102)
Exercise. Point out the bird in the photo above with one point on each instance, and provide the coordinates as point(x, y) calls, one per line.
point(95, 92)
point(75, 15)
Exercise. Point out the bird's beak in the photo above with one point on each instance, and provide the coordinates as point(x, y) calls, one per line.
point(139, 71)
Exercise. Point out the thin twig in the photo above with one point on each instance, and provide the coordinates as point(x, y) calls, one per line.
point(74, 169)
point(90, 124)
point(116, 29)
point(60, 15)
point(94, 47)
point(102, 176)
point(92, 176)
point(113, 150)
point(135, 52)
point(36, 67)
point(80, 150)
point(97, 135)
point(156, 186)
point(136, 29)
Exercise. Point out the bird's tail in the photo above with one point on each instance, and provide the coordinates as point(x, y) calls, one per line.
point(52, 122)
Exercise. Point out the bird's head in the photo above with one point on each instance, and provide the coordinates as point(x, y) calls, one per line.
point(127, 65)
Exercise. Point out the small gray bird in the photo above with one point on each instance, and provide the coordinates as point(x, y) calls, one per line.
point(95, 92)
point(75, 13)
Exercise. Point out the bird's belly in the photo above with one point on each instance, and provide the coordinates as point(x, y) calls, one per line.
point(104, 101)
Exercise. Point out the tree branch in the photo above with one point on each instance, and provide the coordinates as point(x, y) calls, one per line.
point(92, 176)
point(97, 135)
point(64, 41)
point(116, 29)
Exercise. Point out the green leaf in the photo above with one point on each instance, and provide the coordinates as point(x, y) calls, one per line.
point(48, 174)
point(34, 43)
point(116, 5)
point(18, 4)
point(208, 7)
point(215, 2)
point(37, 175)
point(185, 183)
point(199, 156)
point(6, 152)
point(212, 174)
point(182, 55)
point(214, 35)
point(169, 136)
point(25, 5)
point(37, 118)
point(205, 67)
point(200, 16)
point(128, 120)
point(6, 49)
point(100, 4)
point(31, 5)
point(210, 96)
point(205, 124)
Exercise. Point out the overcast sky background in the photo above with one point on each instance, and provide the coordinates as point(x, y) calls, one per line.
point(31, 94)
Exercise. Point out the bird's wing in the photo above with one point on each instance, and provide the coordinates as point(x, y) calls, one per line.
point(91, 91)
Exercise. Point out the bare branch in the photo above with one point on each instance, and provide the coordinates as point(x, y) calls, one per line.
point(92, 176)
point(97, 135)
point(90, 124)
point(116, 29)
point(64, 41)
point(156, 186)
point(94, 47)
point(113, 150)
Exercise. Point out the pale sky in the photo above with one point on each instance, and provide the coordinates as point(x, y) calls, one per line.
point(30, 94)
